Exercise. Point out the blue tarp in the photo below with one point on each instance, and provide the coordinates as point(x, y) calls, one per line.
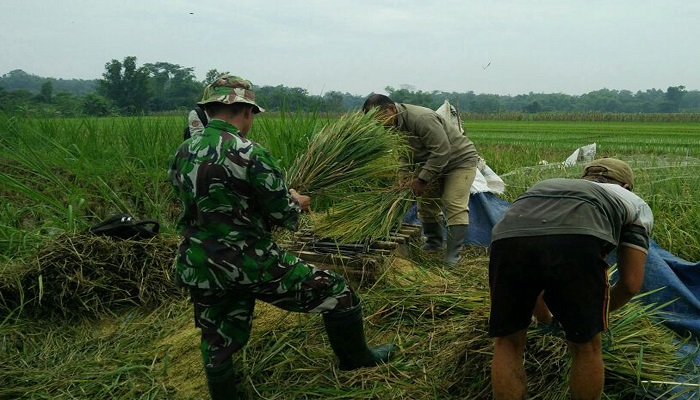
point(681, 281)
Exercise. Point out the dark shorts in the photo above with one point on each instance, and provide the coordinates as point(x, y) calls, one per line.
point(572, 271)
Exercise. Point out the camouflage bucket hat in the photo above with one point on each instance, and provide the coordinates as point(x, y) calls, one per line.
point(610, 168)
point(229, 89)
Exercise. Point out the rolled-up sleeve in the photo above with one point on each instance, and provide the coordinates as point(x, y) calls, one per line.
point(636, 232)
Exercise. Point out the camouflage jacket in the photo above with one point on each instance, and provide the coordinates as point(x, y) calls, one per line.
point(233, 193)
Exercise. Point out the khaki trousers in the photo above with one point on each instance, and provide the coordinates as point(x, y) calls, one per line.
point(447, 196)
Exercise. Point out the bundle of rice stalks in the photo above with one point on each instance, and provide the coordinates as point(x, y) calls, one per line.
point(364, 215)
point(434, 292)
point(350, 169)
point(89, 275)
point(355, 148)
point(639, 349)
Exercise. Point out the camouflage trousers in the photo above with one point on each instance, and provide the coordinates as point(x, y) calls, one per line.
point(225, 315)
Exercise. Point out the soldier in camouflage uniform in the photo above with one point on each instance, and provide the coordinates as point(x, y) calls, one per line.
point(233, 193)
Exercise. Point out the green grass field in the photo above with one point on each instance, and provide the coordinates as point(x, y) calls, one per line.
point(59, 176)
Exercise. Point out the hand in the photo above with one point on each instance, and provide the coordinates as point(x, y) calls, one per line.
point(304, 201)
point(418, 186)
point(404, 179)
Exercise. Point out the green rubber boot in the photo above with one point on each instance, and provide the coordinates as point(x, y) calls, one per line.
point(222, 382)
point(347, 337)
point(455, 243)
point(433, 234)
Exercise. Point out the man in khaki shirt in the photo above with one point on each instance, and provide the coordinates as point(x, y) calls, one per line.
point(443, 161)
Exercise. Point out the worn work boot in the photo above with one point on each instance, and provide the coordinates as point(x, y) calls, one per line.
point(433, 234)
point(221, 382)
point(346, 334)
point(455, 243)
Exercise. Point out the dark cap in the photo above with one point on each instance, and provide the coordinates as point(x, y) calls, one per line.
point(612, 168)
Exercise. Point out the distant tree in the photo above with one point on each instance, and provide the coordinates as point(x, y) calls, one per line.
point(3, 98)
point(333, 102)
point(126, 88)
point(283, 98)
point(406, 94)
point(212, 74)
point(172, 86)
point(673, 99)
point(67, 104)
point(603, 100)
point(16, 100)
point(691, 101)
point(46, 93)
point(18, 79)
point(95, 105)
point(675, 93)
point(352, 102)
point(648, 101)
point(460, 100)
point(78, 87)
point(485, 103)
point(533, 107)
point(126, 85)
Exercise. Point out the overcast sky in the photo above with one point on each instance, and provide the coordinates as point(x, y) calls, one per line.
point(362, 46)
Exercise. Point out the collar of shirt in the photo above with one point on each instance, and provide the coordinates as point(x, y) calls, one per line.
point(222, 125)
point(400, 111)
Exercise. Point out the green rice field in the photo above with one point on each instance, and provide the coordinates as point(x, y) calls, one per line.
point(83, 317)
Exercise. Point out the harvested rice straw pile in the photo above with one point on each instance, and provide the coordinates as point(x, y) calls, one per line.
point(88, 275)
point(437, 318)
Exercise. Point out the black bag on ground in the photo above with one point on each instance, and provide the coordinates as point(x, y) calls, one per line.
point(124, 226)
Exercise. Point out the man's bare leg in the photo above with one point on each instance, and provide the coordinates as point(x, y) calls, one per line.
point(587, 371)
point(508, 380)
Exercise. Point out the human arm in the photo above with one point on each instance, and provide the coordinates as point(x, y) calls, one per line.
point(630, 267)
point(274, 199)
point(632, 250)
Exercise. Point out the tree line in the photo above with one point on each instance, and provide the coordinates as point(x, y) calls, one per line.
point(156, 88)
